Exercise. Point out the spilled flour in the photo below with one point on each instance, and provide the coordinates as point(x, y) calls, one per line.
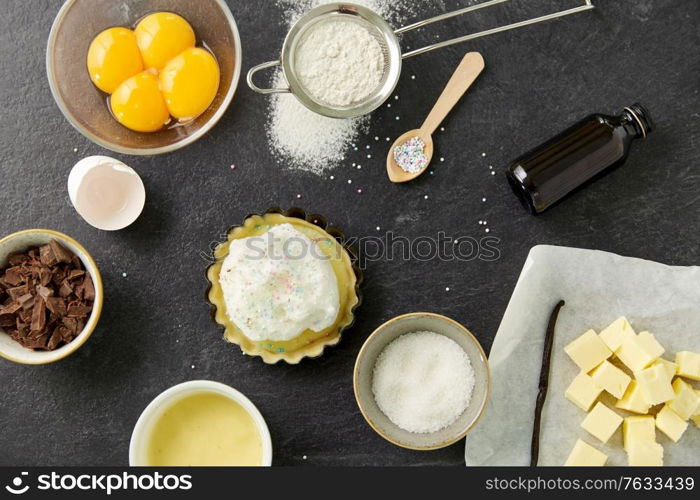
point(303, 140)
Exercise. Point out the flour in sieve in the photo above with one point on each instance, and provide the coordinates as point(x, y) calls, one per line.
point(339, 62)
point(303, 140)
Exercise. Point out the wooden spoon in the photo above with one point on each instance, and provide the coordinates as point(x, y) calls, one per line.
point(466, 73)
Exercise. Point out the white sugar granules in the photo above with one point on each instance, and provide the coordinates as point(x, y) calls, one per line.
point(304, 140)
point(339, 62)
point(423, 381)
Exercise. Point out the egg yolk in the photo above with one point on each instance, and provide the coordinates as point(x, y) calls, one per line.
point(189, 83)
point(162, 36)
point(138, 103)
point(113, 57)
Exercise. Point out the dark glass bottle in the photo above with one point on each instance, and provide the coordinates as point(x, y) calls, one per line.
point(577, 156)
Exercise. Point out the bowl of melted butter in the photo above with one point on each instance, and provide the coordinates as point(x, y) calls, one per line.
point(200, 423)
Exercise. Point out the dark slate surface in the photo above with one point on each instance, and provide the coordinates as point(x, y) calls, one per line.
point(155, 330)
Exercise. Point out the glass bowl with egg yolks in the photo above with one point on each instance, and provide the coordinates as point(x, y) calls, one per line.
point(145, 92)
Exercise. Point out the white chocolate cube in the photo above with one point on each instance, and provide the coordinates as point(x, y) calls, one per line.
point(583, 391)
point(585, 455)
point(635, 354)
point(616, 333)
point(611, 378)
point(670, 424)
point(688, 364)
point(670, 367)
point(686, 402)
point(633, 400)
point(655, 386)
point(602, 422)
point(651, 345)
point(638, 428)
point(588, 351)
point(644, 453)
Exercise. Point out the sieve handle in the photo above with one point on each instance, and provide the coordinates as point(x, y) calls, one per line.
point(259, 90)
point(587, 5)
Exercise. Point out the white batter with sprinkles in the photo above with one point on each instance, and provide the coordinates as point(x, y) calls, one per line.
point(277, 286)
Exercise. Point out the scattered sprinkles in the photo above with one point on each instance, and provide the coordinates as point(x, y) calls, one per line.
point(483, 155)
point(332, 177)
point(410, 155)
point(447, 288)
point(299, 196)
point(425, 197)
point(124, 275)
point(483, 200)
point(359, 191)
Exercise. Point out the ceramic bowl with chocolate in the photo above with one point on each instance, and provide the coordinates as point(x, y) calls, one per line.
point(50, 296)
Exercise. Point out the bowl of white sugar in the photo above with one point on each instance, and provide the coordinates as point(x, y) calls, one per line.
point(422, 381)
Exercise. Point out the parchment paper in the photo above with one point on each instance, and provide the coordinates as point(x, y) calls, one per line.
point(598, 287)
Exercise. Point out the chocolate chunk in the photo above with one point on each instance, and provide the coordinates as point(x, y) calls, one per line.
point(15, 259)
point(38, 315)
point(77, 310)
point(26, 301)
point(55, 340)
point(65, 290)
point(61, 253)
point(57, 306)
point(71, 324)
point(47, 256)
point(11, 308)
point(6, 319)
point(75, 273)
point(89, 288)
point(16, 292)
point(13, 276)
point(44, 276)
point(76, 262)
point(44, 292)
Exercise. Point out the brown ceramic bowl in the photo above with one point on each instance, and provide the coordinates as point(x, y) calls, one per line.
point(21, 241)
point(85, 107)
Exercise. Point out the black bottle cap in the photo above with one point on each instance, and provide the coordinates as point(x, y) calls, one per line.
point(642, 119)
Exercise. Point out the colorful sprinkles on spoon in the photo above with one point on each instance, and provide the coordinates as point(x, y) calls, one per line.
point(410, 155)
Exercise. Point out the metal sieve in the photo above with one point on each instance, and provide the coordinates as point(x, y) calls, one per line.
point(389, 42)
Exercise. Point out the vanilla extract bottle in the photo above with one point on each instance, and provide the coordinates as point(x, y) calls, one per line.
point(581, 154)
